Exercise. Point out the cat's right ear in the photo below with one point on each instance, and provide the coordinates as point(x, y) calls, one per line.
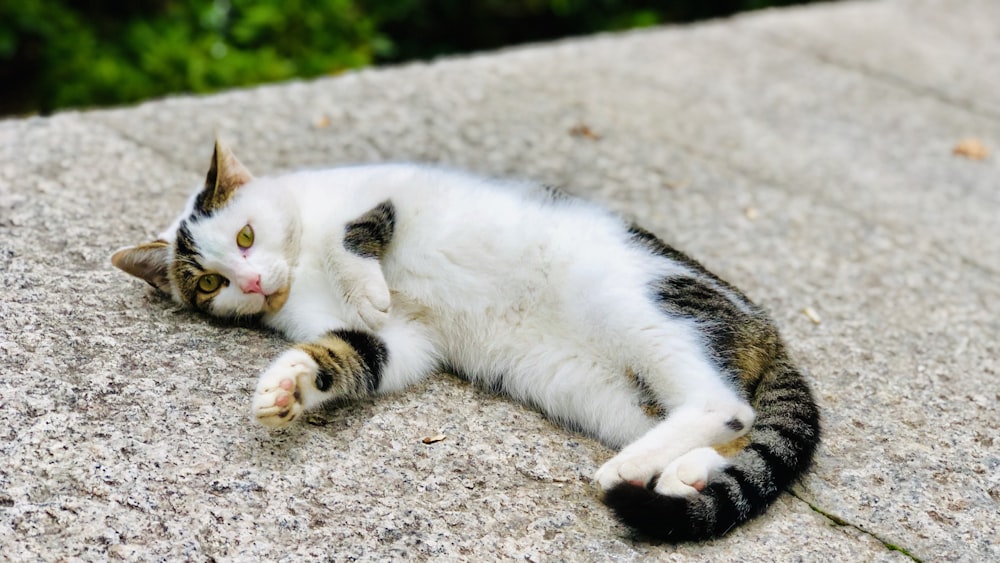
point(147, 261)
point(225, 174)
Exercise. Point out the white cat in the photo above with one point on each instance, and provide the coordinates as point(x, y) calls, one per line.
point(385, 274)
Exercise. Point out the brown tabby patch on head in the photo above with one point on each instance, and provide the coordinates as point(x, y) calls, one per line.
point(185, 269)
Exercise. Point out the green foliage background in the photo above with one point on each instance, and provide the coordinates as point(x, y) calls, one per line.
point(78, 53)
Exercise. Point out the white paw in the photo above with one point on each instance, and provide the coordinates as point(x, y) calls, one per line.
point(722, 421)
point(741, 419)
point(637, 468)
point(607, 475)
point(372, 305)
point(690, 473)
point(278, 399)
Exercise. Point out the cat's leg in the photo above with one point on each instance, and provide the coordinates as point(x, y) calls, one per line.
point(353, 260)
point(703, 410)
point(691, 472)
point(677, 455)
point(364, 287)
point(664, 452)
point(340, 365)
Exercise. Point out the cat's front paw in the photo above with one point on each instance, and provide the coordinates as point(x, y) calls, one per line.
point(278, 400)
point(374, 312)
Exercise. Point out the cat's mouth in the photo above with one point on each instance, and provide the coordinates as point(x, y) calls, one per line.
point(275, 301)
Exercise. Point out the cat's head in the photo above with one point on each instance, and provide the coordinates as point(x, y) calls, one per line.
point(231, 251)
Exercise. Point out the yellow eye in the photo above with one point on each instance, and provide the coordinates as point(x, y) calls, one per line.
point(244, 239)
point(209, 283)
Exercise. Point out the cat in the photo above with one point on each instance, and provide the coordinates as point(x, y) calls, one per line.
point(384, 274)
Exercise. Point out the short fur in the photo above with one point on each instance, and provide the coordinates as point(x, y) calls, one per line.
point(385, 274)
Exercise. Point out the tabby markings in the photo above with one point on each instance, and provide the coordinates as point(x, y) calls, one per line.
point(369, 235)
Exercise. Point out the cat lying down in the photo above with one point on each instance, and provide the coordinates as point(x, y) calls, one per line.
point(385, 274)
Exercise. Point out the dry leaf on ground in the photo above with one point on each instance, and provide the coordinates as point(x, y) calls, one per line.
point(973, 149)
point(585, 132)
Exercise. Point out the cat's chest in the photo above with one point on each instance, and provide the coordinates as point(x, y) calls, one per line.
point(315, 306)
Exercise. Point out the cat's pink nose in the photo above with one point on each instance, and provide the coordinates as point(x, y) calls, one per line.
point(252, 286)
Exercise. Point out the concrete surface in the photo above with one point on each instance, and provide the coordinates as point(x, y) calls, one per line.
point(805, 154)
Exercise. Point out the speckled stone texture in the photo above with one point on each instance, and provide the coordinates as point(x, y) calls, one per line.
point(804, 154)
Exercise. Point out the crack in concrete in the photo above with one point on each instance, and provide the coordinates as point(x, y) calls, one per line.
point(837, 520)
point(877, 75)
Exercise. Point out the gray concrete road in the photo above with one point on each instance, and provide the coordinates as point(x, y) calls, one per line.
point(805, 154)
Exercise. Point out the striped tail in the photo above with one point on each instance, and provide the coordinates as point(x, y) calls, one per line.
point(780, 448)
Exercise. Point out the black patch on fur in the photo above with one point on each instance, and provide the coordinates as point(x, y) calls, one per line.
point(711, 513)
point(184, 267)
point(699, 296)
point(368, 235)
point(717, 316)
point(779, 469)
point(657, 246)
point(727, 512)
point(372, 351)
point(201, 208)
point(734, 424)
point(324, 378)
point(185, 242)
point(753, 494)
point(202, 205)
point(653, 243)
point(654, 515)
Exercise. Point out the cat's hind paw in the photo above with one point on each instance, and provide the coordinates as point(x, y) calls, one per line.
point(670, 475)
point(690, 473)
point(278, 400)
point(637, 468)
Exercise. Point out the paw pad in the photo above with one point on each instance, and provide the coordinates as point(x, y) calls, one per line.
point(276, 403)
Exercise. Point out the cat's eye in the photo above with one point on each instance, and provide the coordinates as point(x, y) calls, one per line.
point(209, 283)
point(244, 239)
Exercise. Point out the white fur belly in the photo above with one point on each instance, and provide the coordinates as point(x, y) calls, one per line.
point(541, 357)
point(539, 335)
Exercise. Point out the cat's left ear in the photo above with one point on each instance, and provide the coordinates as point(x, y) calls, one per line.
point(225, 175)
point(148, 261)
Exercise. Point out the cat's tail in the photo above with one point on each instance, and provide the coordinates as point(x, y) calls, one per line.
point(780, 448)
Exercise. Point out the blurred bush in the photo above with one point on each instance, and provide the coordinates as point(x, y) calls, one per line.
point(78, 53)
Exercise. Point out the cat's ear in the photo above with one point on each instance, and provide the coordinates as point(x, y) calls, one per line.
point(225, 175)
point(148, 261)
